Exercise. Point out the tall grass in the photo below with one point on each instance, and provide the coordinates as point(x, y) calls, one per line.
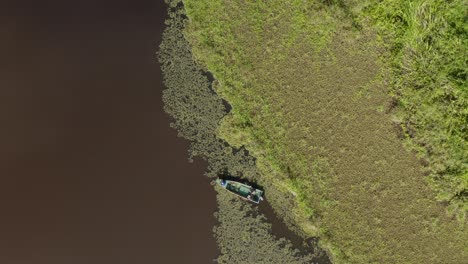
point(428, 44)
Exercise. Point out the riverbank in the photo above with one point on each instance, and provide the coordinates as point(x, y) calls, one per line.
point(326, 148)
point(243, 234)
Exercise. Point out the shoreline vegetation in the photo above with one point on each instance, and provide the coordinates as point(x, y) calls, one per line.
point(242, 233)
point(356, 114)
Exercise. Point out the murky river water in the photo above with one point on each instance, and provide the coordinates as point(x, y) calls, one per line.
point(90, 170)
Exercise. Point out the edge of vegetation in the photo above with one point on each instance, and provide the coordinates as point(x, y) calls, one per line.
point(449, 175)
point(197, 111)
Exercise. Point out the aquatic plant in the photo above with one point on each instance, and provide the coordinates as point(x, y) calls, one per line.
point(243, 235)
point(196, 109)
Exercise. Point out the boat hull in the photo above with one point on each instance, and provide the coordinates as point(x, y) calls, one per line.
point(242, 190)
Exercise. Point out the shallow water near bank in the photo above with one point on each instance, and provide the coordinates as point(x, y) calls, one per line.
point(281, 230)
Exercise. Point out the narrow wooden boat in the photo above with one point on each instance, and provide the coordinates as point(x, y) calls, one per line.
point(243, 190)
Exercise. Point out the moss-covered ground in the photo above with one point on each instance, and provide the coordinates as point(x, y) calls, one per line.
point(316, 100)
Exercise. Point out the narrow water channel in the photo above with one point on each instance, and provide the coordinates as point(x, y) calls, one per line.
point(281, 230)
point(90, 170)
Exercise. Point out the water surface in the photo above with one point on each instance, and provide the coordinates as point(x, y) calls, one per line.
point(90, 170)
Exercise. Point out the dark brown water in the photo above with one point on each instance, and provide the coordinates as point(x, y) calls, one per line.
point(278, 227)
point(90, 171)
point(281, 230)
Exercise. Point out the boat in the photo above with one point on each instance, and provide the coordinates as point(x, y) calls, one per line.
point(242, 190)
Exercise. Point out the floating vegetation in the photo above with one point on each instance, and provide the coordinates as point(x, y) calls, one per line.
point(244, 236)
point(195, 108)
point(197, 111)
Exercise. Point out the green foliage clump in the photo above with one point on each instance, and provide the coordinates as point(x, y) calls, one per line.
point(428, 45)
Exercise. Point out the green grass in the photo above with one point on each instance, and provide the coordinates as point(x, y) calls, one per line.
point(311, 104)
point(428, 45)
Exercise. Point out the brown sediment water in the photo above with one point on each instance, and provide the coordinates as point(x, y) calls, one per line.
point(278, 227)
point(90, 171)
point(281, 230)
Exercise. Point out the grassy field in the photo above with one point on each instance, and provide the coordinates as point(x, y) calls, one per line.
point(322, 112)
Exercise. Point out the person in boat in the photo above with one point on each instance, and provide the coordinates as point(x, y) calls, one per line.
point(251, 194)
point(223, 182)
